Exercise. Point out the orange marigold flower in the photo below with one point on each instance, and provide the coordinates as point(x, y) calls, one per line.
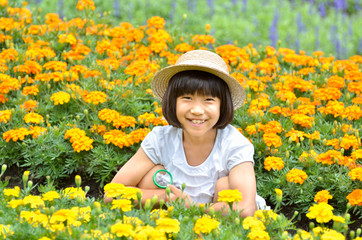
point(8, 83)
point(124, 121)
point(271, 127)
point(95, 97)
point(352, 113)
point(336, 82)
point(184, 47)
point(306, 109)
point(108, 115)
point(37, 130)
point(251, 129)
point(350, 141)
point(139, 134)
point(60, 98)
point(286, 95)
point(30, 90)
point(329, 93)
point(297, 176)
point(355, 197)
point(9, 54)
point(294, 135)
point(329, 157)
point(101, 129)
point(334, 143)
point(118, 138)
point(29, 67)
point(356, 173)
point(302, 120)
point(275, 163)
point(3, 99)
point(322, 196)
point(56, 66)
point(156, 22)
point(79, 140)
point(16, 134)
point(5, 116)
point(85, 4)
point(203, 39)
point(357, 154)
point(33, 118)
point(29, 105)
point(272, 139)
point(334, 108)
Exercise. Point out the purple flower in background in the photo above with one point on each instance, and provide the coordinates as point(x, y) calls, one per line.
point(322, 9)
point(245, 3)
point(211, 6)
point(116, 8)
point(338, 48)
point(300, 24)
point(340, 5)
point(60, 7)
point(357, 5)
point(273, 31)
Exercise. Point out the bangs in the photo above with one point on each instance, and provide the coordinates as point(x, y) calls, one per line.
point(198, 82)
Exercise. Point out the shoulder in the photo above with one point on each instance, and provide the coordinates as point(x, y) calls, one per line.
point(233, 137)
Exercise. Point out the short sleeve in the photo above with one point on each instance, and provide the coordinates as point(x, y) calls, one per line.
point(151, 145)
point(237, 155)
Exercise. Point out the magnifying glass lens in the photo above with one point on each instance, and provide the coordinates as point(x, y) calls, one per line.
point(163, 179)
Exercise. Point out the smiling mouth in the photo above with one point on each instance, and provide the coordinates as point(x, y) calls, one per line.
point(198, 121)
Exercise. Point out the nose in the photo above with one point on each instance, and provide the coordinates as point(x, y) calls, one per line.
point(197, 110)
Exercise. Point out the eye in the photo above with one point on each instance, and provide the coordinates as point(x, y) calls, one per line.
point(210, 99)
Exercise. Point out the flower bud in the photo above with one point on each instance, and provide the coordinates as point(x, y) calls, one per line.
point(211, 211)
point(26, 176)
point(183, 186)
point(358, 231)
point(86, 189)
point(168, 191)
point(147, 204)
point(85, 112)
point(154, 200)
point(287, 154)
point(352, 234)
point(30, 184)
point(3, 169)
point(237, 221)
point(78, 180)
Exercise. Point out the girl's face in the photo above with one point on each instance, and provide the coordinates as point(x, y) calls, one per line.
point(198, 114)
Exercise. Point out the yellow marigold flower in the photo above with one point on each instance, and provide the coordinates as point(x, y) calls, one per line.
point(114, 189)
point(272, 139)
point(34, 201)
point(251, 129)
point(356, 173)
point(229, 196)
point(258, 235)
point(124, 205)
point(123, 230)
point(253, 224)
point(297, 176)
point(205, 225)
point(275, 163)
point(73, 193)
point(168, 225)
point(60, 98)
point(95, 97)
point(34, 217)
point(334, 108)
point(50, 196)
point(357, 154)
point(331, 234)
point(63, 215)
point(12, 192)
point(355, 197)
point(33, 118)
point(148, 232)
point(322, 196)
point(267, 215)
point(83, 213)
point(16, 134)
point(130, 193)
point(30, 90)
point(15, 203)
point(339, 219)
point(302, 120)
point(321, 212)
point(67, 38)
point(108, 115)
point(5, 231)
point(5, 116)
point(349, 141)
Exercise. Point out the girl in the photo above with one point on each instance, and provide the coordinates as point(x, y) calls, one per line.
point(199, 146)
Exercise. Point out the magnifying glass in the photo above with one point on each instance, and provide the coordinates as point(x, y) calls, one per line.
point(162, 178)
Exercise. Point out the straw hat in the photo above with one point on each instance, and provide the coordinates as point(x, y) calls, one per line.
point(201, 60)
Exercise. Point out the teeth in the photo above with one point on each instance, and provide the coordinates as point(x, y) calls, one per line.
point(198, 121)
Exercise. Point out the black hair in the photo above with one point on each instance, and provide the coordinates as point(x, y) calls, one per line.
point(197, 82)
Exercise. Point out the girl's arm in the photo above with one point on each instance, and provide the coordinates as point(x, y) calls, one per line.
point(137, 170)
point(241, 177)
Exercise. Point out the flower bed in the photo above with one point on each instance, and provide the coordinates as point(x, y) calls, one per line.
point(75, 99)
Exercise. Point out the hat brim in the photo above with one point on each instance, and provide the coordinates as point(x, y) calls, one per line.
point(160, 81)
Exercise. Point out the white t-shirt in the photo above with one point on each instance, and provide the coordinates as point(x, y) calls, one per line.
point(163, 145)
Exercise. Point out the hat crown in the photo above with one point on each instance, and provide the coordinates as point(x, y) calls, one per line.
point(203, 58)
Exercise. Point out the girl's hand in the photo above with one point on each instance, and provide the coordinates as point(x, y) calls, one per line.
point(177, 193)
